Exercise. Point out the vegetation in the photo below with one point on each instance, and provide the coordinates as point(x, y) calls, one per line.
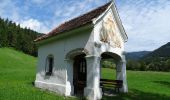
point(17, 72)
point(152, 64)
point(12, 35)
point(142, 85)
point(163, 51)
point(158, 60)
point(108, 63)
point(136, 55)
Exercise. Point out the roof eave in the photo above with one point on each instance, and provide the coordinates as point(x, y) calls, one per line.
point(58, 36)
point(120, 22)
point(97, 19)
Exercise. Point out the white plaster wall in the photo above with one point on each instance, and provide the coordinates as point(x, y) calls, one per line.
point(59, 48)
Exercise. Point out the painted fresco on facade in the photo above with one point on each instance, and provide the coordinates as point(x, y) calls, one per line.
point(109, 32)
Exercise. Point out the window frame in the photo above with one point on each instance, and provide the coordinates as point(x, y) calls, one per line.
point(49, 65)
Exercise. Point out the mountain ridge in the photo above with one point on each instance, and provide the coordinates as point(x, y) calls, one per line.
point(163, 51)
point(136, 55)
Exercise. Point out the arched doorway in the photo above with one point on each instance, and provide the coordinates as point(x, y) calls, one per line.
point(79, 74)
point(111, 58)
point(109, 65)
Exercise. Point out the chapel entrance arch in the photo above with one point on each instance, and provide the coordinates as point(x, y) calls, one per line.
point(112, 58)
point(111, 65)
point(79, 74)
point(76, 71)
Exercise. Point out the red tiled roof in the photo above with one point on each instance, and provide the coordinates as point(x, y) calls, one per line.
point(75, 23)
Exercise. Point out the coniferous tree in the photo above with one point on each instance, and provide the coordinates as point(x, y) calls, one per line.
point(12, 35)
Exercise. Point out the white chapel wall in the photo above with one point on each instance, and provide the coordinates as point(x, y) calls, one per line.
point(59, 50)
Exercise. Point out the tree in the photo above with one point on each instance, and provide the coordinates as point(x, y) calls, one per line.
point(167, 64)
point(12, 35)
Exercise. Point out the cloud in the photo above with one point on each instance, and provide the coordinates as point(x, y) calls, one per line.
point(35, 25)
point(36, 13)
point(71, 9)
point(38, 1)
point(8, 9)
point(13, 11)
point(146, 23)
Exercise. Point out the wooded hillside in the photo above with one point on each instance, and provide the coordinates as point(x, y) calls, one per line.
point(163, 51)
point(157, 60)
point(12, 35)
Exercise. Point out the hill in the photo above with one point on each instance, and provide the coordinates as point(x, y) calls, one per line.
point(17, 72)
point(136, 55)
point(12, 35)
point(158, 60)
point(163, 51)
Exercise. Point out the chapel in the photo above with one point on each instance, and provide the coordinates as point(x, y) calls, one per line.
point(69, 56)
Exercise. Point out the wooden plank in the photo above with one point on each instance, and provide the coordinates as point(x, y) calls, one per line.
point(110, 84)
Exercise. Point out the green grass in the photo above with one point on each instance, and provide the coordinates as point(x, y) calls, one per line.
point(143, 85)
point(17, 72)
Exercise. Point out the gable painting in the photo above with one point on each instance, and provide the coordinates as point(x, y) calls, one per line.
point(109, 32)
point(69, 56)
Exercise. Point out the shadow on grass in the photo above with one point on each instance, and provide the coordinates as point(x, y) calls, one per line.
point(33, 83)
point(137, 95)
point(165, 83)
point(133, 94)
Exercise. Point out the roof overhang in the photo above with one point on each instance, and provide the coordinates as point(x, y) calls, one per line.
point(85, 28)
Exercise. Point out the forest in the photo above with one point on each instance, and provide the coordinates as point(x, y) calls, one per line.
point(12, 35)
point(151, 64)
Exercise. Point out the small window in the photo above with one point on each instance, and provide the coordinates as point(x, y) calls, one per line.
point(49, 65)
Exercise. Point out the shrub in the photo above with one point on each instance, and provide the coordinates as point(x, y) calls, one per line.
point(108, 64)
point(133, 65)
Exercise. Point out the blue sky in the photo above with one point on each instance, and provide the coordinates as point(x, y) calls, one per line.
point(146, 22)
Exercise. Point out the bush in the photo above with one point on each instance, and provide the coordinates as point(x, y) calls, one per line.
point(133, 65)
point(167, 64)
point(143, 66)
point(108, 64)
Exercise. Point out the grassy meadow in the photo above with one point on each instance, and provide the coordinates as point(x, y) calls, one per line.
point(17, 72)
point(143, 85)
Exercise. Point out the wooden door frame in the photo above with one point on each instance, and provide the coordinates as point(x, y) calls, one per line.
point(77, 82)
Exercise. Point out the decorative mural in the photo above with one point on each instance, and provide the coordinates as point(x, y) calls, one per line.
point(109, 32)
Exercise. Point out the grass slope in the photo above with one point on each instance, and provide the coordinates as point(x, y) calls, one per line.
point(17, 71)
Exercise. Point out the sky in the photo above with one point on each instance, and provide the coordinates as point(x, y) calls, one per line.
point(146, 22)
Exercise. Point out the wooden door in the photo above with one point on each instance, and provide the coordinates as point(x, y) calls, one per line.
point(79, 78)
